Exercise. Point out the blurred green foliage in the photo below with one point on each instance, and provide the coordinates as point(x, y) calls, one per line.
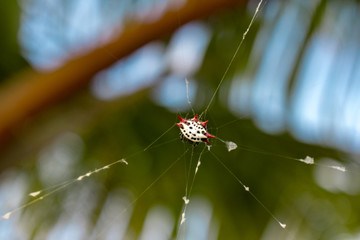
point(11, 60)
point(123, 128)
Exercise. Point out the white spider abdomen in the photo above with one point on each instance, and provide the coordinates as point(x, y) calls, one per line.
point(194, 130)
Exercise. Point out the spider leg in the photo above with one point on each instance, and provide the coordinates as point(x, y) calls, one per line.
point(195, 143)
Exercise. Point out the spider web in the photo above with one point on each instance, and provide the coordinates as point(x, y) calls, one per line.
point(40, 195)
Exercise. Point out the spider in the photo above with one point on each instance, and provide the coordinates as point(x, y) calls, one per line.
point(193, 130)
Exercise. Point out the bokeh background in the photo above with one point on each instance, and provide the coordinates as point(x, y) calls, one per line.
point(293, 91)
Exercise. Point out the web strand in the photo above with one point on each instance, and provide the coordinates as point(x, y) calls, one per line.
point(158, 138)
point(188, 97)
point(233, 58)
point(247, 189)
point(149, 186)
point(188, 191)
point(59, 187)
point(307, 160)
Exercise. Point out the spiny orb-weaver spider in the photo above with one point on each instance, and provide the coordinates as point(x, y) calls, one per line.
point(194, 130)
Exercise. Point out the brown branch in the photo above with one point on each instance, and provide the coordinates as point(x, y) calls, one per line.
point(37, 91)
